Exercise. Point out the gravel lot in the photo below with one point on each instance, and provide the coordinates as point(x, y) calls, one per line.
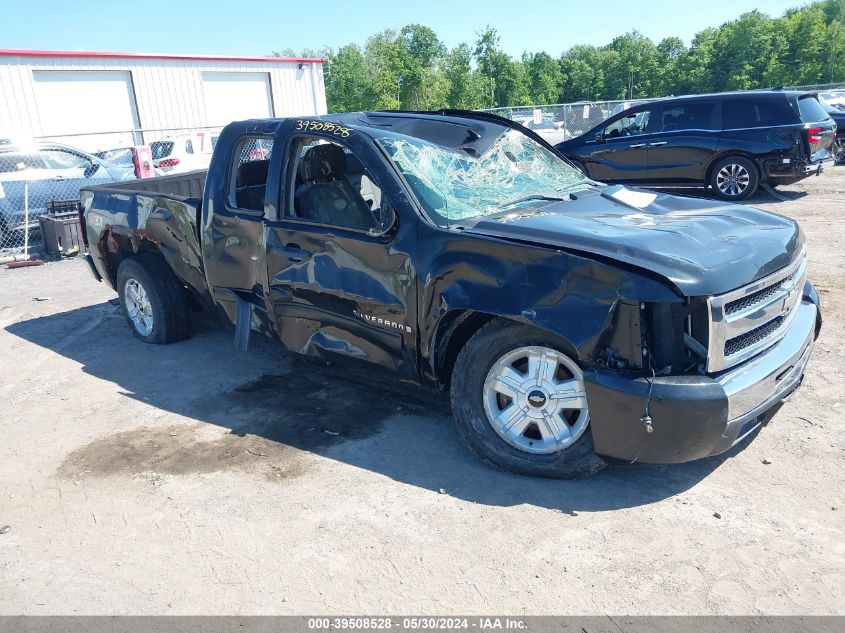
point(190, 479)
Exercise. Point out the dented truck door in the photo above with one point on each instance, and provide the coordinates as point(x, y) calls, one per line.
point(340, 275)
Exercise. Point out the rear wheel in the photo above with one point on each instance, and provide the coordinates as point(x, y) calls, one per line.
point(519, 403)
point(153, 300)
point(734, 178)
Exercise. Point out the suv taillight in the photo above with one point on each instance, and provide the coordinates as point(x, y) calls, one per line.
point(172, 162)
point(814, 134)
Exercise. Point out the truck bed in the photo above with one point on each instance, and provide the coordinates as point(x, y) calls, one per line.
point(187, 185)
point(155, 214)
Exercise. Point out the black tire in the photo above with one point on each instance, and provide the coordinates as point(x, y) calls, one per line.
point(171, 316)
point(745, 172)
point(486, 346)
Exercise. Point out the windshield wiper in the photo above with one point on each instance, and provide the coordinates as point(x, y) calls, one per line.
point(580, 183)
point(533, 196)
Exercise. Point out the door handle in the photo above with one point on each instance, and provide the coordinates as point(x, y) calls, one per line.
point(292, 252)
point(657, 144)
point(636, 145)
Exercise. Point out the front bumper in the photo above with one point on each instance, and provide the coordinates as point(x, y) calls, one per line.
point(699, 416)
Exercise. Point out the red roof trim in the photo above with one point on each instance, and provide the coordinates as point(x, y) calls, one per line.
point(10, 52)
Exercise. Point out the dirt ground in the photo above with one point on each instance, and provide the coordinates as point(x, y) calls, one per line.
point(191, 479)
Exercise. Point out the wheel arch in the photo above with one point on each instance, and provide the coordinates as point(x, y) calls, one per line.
point(117, 246)
point(708, 172)
point(458, 326)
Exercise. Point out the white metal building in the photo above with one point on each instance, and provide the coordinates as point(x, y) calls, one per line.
point(65, 93)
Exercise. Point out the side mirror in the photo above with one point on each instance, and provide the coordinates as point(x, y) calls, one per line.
point(599, 137)
point(91, 168)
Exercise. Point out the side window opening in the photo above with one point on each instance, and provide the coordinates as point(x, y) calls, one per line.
point(744, 113)
point(632, 124)
point(688, 116)
point(252, 166)
point(332, 186)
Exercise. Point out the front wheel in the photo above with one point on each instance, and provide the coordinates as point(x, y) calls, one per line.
point(520, 405)
point(734, 178)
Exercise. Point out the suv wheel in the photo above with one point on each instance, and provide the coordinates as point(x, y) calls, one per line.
point(153, 300)
point(519, 403)
point(734, 178)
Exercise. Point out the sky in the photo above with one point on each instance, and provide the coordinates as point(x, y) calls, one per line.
point(257, 27)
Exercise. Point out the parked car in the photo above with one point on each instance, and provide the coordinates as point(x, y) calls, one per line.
point(833, 97)
point(552, 131)
point(582, 116)
point(50, 171)
point(182, 153)
point(571, 321)
point(836, 110)
point(731, 142)
point(136, 160)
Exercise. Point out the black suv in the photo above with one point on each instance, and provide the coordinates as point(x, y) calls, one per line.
point(731, 141)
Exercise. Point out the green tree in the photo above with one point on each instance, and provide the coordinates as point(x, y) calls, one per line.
point(486, 53)
point(742, 53)
point(544, 77)
point(424, 85)
point(672, 58)
point(466, 86)
point(412, 68)
point(343, 75)
point(383, 68)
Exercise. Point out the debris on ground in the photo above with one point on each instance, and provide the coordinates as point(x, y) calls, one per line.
point(25, 263)
point(767, 461)
point(5, 528)
point(717, 515)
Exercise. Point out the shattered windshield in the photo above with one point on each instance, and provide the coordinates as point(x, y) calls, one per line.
point(454, 185)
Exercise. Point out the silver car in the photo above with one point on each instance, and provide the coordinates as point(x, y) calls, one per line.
point(49, 171)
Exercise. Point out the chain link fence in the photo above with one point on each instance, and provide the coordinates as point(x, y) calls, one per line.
point(559, 122)
point(40, 178)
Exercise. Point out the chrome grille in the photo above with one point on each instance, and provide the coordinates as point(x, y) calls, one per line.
point(746, 321)
point(739, 343)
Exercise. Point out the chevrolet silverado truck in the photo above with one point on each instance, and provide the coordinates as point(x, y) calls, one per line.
point(573, 323)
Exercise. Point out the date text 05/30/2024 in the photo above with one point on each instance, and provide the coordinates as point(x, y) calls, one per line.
point(415, 623)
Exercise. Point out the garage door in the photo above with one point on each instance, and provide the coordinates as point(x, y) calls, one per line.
point(82, 101)
point(236, 96)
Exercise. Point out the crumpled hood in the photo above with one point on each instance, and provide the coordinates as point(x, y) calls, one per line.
point(703, 247)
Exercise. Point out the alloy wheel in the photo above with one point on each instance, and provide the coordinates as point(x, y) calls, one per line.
point(534, 399)
point(138, 307)
point(733, 179)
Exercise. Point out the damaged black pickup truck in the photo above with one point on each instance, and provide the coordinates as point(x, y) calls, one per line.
point(574, 323)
